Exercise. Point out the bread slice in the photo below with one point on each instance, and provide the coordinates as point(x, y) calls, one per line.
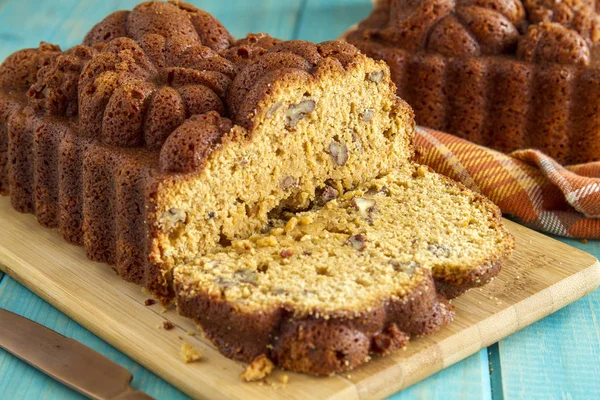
point(148, 147)
point(294, 132)
point(324, 290)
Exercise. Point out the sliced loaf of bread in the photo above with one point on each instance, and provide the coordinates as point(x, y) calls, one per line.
point(325, 289)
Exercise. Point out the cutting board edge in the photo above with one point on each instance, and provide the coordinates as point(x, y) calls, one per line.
point(383, 377)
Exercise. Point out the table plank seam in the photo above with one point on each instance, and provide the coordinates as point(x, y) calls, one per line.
point(495, 372)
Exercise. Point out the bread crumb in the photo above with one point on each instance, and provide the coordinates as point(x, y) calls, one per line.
point(189, 353)
point(306, 220)
point(149, 302)
point(167, 325)
point(269, 241)
point(284, 379)
point(258, 369)
point(291, 224)
point(420, 172)
point(190, 333)
point(584, 241)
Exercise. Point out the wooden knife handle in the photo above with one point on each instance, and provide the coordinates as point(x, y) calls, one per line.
point(133, 395)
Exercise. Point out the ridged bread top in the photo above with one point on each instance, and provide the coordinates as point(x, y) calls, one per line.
point(552, 31)
point(165, 77)
point(291, 58)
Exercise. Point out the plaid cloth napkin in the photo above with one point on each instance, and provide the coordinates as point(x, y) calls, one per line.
point(525, 184)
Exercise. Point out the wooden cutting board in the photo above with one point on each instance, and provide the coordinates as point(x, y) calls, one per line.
point(542, 276)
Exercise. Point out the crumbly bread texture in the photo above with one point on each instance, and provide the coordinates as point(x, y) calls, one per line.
point(325, 289)
point(331, 126)
point(189, 353)
point(148, 147)
point(258, 369)
point(507, 74)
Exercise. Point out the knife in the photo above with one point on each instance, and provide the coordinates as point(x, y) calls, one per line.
point(66, 360)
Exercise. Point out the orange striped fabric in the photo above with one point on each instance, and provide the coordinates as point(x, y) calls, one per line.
point(526, 184)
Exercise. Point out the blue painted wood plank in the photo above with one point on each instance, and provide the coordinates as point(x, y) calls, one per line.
point(326, 20)
point(275, 17)
point(557, 357)
point(21, 381)
point(25, 23)
point(466, 380)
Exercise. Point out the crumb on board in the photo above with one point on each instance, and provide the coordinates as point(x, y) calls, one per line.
point(284, 379)
point(149, 302)
point(258, 369)
point(167, 325)
point(190, 333)
point(189, 353)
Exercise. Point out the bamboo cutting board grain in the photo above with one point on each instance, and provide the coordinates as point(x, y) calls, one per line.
point(542, 276)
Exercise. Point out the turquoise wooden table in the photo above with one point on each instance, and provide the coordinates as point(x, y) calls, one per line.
point(556, 358)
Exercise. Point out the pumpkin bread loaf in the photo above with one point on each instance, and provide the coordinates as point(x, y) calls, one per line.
point(148, 147)
point(266, 185)
point(323, 290)
point(507, 74)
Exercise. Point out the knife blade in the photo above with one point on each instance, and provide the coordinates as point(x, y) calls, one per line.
point(65, 359)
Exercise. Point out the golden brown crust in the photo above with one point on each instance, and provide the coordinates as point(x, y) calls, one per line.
point(19, 70)
point(187, 148)
point(247, 49)
point(295, 57)
point(129, 99)
point(177, 20)
point(9, 105)
point(314, 345)
point(453, 284)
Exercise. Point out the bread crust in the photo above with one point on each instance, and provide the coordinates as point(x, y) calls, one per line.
point(506, 74)
point(458, 281)
point(311, 344)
